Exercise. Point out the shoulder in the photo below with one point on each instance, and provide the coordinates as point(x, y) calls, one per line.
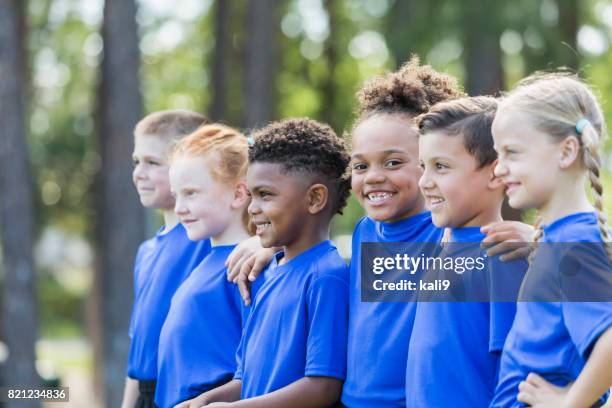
point(329, 264)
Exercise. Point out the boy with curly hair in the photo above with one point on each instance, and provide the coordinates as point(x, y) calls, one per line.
point(293, 347)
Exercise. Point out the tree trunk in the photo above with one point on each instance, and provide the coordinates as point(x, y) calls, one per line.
point(483, 59)
point(120, 226)
point(260, 61)
point(328, 111)
point(569, 14)
point(220, 61)
point(483, 65)
point(20, 325)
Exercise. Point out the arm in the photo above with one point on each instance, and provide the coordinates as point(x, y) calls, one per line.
point(239, 255)
point(130, 393)
point(307, 392)
point(226, 393)
point(596, 376)
point(510, 238)
point(248, 270)
point(592, 383)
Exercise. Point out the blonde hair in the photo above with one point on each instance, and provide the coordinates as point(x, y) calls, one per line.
point(560, 105)
point(227, 150)
point(170, 124)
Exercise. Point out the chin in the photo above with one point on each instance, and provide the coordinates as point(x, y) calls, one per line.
point(440, 221)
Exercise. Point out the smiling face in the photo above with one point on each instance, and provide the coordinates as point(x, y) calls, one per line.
point(150, 174)
point(523, 153)
point(279, 204)
point(456, 191)
point(384, 167)
point(203, 204)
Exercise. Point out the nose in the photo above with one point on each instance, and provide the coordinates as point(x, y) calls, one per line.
point(374, 175)
point(500, 169)
point(425, 181)
point(139, 173)
point(253, 207)
point(180, 208)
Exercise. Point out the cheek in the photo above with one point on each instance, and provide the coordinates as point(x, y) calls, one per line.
point(356, 182)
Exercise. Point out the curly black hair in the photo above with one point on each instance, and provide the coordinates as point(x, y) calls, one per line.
point(413, 90)
point(306, 145)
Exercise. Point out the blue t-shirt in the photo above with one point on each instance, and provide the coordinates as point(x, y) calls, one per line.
point(553, 339)
point(198, 342)
point(298, 322)
point(379, 332)
point(455, 347)
point(162, 264)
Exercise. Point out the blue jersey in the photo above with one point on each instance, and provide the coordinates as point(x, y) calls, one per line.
point(455, 346)
point(298, 323)
point(553, 339)
point(379, 332)
point(198, 342)
point(162, 264)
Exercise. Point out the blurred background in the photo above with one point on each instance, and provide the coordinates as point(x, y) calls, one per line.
point(76, 76)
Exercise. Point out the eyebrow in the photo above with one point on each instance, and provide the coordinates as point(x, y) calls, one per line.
point(258, 187)
point(386, 152)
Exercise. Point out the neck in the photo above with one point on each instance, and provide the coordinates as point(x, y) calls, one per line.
point(490, 214)
point(308, 238)
point(569, 198)
point(236, 232)
point(417, 209)
point(170, 220)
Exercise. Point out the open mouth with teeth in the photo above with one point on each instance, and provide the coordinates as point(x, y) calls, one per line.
point(378, 197)
point(434, 201)
point(261, 227)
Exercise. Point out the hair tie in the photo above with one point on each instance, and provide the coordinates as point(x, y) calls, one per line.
point(581, 124)
point(250, 141)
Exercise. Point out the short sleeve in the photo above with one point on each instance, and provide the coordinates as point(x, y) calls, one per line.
point(505, 281)
point(586, 282)
point(238, 372)
point(136, 285)
point(328, 328)
point(585, 322)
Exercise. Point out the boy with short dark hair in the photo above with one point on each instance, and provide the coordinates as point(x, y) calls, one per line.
point(293, 348)
point(455, 345)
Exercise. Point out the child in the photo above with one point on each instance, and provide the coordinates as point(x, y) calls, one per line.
point(164, 261)
point(455, 346)
point(293, 348)
point(548, 132)
point(385, 174)
point(198, 341)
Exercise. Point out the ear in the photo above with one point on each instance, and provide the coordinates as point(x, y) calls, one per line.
point(241, 195)
point(570, 152)
point(494, 181)
point(316, 198)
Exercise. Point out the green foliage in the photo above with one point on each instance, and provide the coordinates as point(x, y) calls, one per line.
point(326, 50)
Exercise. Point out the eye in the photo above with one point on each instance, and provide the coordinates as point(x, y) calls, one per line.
point(441, 166)
point(359, 166)
point(135, 162)
point(393, 163)
point(153, 162)
point(422, 165)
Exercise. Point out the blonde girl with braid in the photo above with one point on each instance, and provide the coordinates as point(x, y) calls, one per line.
point(548, 133)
